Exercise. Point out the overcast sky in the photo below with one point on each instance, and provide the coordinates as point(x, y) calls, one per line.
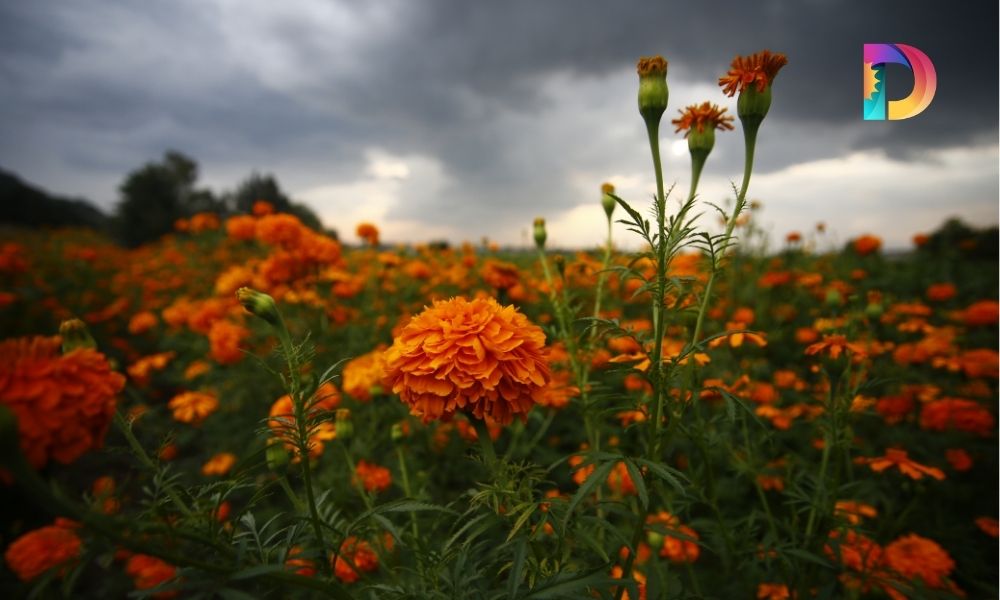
point(457, 119)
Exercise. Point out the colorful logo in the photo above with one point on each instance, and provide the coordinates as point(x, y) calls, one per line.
point(877, 106)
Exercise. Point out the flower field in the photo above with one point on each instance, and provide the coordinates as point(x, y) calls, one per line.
point(251, 408)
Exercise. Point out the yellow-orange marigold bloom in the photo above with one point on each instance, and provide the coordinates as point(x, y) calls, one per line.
point(39, 550)
point(141, 370)
point(149, 572)
point(261, 208)
point(757, 69)
point(834, 346)
point(475, 356)
point(867, 244)
point(225, 338)
point(916, 557)
point(280, 229)
point(368, 232)
point(63, 402)
point(957, 413)
point(894, 457)
point(698, 116)
point(372, 477)
point(773, 591)
point(500, 275)
point(220, 464)
point(193, 407)
point(142, 322)
point(355, 557)
point(241, 227)
point(363, 374)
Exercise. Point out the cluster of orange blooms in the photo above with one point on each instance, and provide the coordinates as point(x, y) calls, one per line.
point(283, 424)
point(63, 402)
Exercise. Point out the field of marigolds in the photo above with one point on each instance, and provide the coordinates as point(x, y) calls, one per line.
point(248, 408)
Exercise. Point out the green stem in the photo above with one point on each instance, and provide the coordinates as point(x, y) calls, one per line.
point(407, 490)
point(126, 430)
point(485, 443)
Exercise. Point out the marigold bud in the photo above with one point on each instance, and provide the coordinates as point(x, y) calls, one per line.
point(560, 261)
point(259, 304)
point(397, 433)
point(654, 539)
point(540, 234)
point(345, 428)
point(607, 199)
point(277, 456)
point(653, 91)
point(752, 106)
point(75, 335)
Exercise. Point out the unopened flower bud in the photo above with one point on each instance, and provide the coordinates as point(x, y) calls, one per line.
point(700, 143)
point(540, 234)
point(277, 456)
point(834, 297)
point(607, 199)
point(560, 261)
point(75, 335)
point(752, 106)
point(653, 92)
point(345, 428)
point(259, 304)
point(654, 539)
point(398, 432)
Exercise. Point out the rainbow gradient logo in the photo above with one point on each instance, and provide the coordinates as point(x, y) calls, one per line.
point(878, 107)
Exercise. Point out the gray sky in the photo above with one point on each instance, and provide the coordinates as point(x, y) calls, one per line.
point(457, 119)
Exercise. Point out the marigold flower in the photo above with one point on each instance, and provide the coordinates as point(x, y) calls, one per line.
point(958, 458)
point(697, 117)
point(372, 477)
point(142, 322)
point(225, 338)
point(989, 526)
point(63, 402)
point(957, 413)
point(852, 511)
point(834, 346)
point(676, 549)
point(894, 457)
point(653, 91)
point(500, 275)
point(773, 591)
point(757, 70)
point(362, 376)
point(984, 312)
point(916, 557)
point(193, 407)
point(475, 356)
point(241, 227)
point(149, 572)
point(141, 370)
point(282, 420)
point(40, 550)
point(355, 557)
point(220, 464)
point(301, 566)
point(854, 551)
point(368, 233)
point(867, 244)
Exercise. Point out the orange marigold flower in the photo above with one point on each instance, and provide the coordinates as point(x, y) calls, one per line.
point(241, 227)
point(916, 557)
point(141, 370)
point(261, 208)
point(368, 232)
point(988, 526)
point(677, 549)
point(63, 402)
point(355, 557)
point(757, 69)
point(40, 550)
point(834, 346)
point(225, 338)
point(301, 566)
point(867, 244)
point(474, 356)
point(984, 312)
point(193, 407)
point(372, 477)
point(280, 229)
point(697, 116)
point(773, 591)
point(958, 458)
point(500, 275)
point(142, 322)
point(282, 420)
point(854, 551)
point(852, 511)
point(362, 376)
point(957, 413)
point(149, 572)
point(894, 457)
point(220, 464)
point(941, 292)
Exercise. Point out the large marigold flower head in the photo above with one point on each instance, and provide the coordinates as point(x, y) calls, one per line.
point(63, 402)
point(40, 550)
point(916, 557)
point(468, 355)
point(697, 117)
point(148, 572)
point(757, 70)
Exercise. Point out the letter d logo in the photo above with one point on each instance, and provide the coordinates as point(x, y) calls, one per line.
point(924, 82)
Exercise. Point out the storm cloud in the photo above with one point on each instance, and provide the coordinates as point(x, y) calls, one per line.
point(455, 119)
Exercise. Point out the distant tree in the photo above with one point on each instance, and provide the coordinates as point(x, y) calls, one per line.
point(259, 187)
point(24, 205)
point(156, 195)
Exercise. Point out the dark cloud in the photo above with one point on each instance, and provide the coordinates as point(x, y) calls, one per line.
point(506, 97)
